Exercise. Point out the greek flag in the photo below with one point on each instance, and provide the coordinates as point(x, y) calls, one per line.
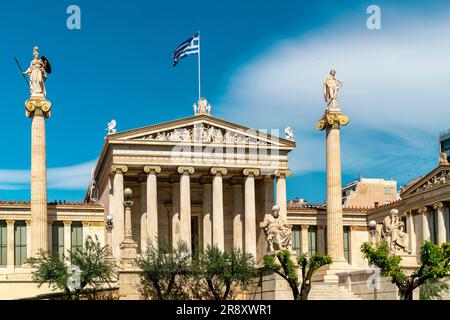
point(188, 47)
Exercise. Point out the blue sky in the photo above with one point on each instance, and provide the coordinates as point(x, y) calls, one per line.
point(262, 66)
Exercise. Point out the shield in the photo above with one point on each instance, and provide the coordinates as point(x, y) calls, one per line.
point(47, 66)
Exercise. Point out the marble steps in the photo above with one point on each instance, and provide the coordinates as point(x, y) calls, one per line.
point(321, 291)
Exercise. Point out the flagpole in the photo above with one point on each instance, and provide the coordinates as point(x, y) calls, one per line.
point(199, 76)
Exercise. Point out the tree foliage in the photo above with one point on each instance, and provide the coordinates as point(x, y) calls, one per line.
point(432, 289)
point(223, 271)
point(286, 268)
point(434, 263)
point(91, 260)
point(165, 270)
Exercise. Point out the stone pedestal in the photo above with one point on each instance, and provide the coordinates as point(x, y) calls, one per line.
point(38, 109)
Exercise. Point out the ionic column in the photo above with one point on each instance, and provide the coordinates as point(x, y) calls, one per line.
point(10, 244)
point(331, 122)
point(207, 211)
point(238, 212)
point(38, 110)
point(217, 188)
point(250, 211)
point(143, 220)
point(442, 230)
point(411, 231)
point(185, 204)
point(281, 191)
point(175, 215)
point(28, 223)
point(67, 236)
point(304, 238)
point(86, 230)
point(426, 235)
point(152, 201)
point(118, 212)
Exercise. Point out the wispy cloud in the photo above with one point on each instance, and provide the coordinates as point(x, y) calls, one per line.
point(75, 177)
point(395, 92)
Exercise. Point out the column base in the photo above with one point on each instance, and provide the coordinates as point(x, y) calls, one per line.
point(330, 273)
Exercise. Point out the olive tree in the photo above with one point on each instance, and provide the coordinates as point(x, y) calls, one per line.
point(434, 264)
point(80, 271)
point(286, 268)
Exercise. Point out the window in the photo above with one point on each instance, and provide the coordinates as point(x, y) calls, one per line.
point(347, 243)
point(3, 240)
point(296, 239)
point(387, 190)
point(312, 240)
point(20, 243)
point(76, 236)
point(58, 239)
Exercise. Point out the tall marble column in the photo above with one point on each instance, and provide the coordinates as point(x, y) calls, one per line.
point(118, 211)
point(321, 239)
point(175, 214)
point(28, 223)
point(217, 193)
point(411, 231)
point(281, 191)
point(250, 211)
point(304, 238)
point(152, 201)
point(10, 244)
point(332, 121)
point(67, 236)
point(442, 228)
point(426, 234)
point(143, 220)
point(238, 212)
point(207, 211)
point(185, 204)
point(38, 110)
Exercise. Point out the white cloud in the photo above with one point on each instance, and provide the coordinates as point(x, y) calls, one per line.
point(396, 83)
point(74, 177)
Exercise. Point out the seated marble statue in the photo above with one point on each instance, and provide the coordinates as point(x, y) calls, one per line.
point(278, 231)
point(392, 232)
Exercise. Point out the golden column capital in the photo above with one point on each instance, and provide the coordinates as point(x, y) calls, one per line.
point(121, 168)
point(222, 171)
point(247, 172)
point(189, 170)
point(280, 172)
point(304, 226)
point(332, 118)
point(67, 223)
point(10, 221)
point(37, 106)
point(422, 210)
point(148, 169)
point(438, 205)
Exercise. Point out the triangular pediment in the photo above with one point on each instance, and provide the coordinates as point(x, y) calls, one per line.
point(202, 129)
point(436, 178)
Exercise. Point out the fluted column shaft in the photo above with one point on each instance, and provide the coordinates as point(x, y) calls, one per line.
point(10, 244)
point(207, 210)
point(411, 231)
point(38, 183)
point(175, 218)
point(152, 202)
point(185, 205)
point(281, 191)
point(118, 211)
point(250, 211)
point(442, 230)
point(335, 231)
point(238, 211)
point(426, 234)
point(218, 229)
point(67, 236)
point(304, 238)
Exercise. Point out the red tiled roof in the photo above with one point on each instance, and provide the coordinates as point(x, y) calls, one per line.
point(52, 203)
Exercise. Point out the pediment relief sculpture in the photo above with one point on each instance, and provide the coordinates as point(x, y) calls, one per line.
point(438, 179)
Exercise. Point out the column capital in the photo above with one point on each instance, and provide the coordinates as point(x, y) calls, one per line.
point(321, 227)
point(28, 222)
point(222, 171)
point(304, 226)
point(188, 170)
point(422, 210)
point(408, 212)
point(155, 169)
point(10, 221)
point(67, 223)
point(247, 172)
point(37, 106)
point(332, 119)
point(121, 168)
point(282, 172)
point(85, 223)
point(438, 205)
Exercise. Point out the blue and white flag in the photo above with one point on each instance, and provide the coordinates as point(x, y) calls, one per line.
point(187, 48)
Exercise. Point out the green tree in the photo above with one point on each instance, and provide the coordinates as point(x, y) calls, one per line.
point(91, 261)
point(164, 271)
point(434, 264)
point(224, 271)
point(432, 289)
point(286, 268)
